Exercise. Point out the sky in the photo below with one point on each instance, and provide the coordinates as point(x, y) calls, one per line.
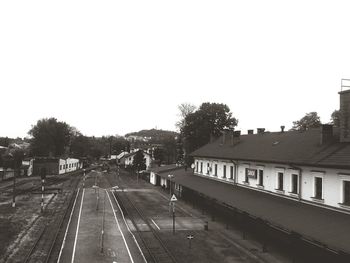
point(113, 67)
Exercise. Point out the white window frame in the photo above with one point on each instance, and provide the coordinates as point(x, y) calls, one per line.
point(343, 178)
point(314, 176)
point(291, 183)
point(283, 171)
point(260, 168)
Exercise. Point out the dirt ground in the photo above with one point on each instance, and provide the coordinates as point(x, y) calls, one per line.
point(19, 226)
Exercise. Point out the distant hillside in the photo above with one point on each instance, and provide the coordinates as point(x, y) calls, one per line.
point(153, 133)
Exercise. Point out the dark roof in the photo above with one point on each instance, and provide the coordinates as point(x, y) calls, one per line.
point(292, 147)
point(326, 226)
point(164, 168)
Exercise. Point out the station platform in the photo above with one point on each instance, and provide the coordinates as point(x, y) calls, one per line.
point(325, 227)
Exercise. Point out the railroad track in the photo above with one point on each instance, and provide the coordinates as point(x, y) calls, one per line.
point(45, 248)
point(157, 251)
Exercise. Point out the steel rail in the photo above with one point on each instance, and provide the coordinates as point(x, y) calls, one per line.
point(154, 232)
point(58, 229)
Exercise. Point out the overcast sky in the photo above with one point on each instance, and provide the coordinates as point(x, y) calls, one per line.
point(112, 67)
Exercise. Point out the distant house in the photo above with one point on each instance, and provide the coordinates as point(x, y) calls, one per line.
point(52, 166)
point(39, 165)
point(121, 158)
point(69, 165)
point(129, 158)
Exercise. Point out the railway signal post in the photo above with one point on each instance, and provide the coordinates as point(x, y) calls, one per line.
point(43, 176)
point(14, 190)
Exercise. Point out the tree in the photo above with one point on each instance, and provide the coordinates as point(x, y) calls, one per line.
point(335, 118)
point(169, 145)
point(158, 155)
point(50, 137)
point(310, 120)
point(179, 150)
point(80, 146)
point(210, 119)
point(4, 141)
point(139, 162)
point(184, 110)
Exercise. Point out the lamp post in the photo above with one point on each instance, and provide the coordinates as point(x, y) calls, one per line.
point(103, 222)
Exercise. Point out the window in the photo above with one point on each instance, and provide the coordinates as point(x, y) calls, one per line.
point(224, 172)
point(346, 187)
point(216, 170)
point(261, 178)
point(201, 167)
point(294, 185)
point(231, 172)
point(280, 181)
point(208, 168)
point(196, 166)
point(318, 187)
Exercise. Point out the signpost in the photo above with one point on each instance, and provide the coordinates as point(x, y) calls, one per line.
point(170, 176)
point(189, 237)
point(173, 199)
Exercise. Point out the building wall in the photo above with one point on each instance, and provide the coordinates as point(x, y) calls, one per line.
point(130, 159)
point(50, 166)
point(332, 179)
point(153, 178)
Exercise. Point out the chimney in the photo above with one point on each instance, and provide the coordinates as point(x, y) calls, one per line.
point(326, 133)
point(237, 134)
point(223, 137)
point(250, 131)
point(211, 138)
point(282, 128)
point(344, 116)
point(261, 130)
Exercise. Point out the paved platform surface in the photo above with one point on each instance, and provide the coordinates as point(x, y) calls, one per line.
point(95, 209)
point(325, 226)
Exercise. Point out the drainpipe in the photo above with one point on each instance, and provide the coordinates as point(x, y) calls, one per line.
point(300, 179)
point(235, 171)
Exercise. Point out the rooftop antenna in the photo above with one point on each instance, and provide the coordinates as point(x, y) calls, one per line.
point(345, 84)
